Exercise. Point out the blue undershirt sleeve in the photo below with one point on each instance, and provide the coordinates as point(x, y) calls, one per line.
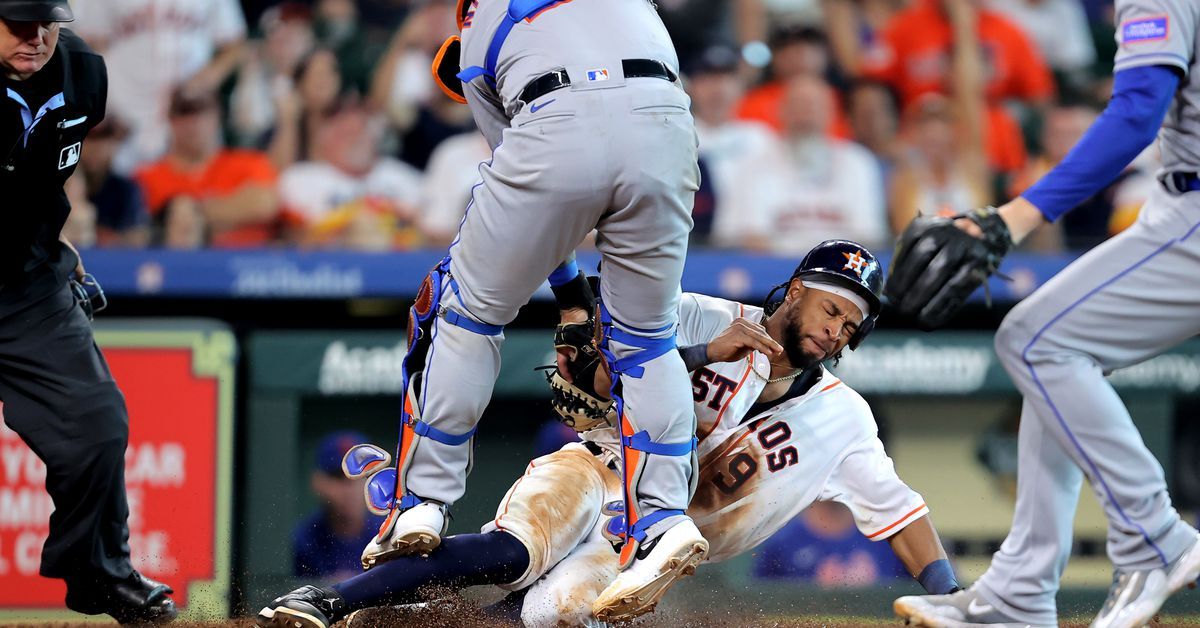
point(1141, 96)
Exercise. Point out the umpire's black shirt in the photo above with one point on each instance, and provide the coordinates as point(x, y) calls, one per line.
point(43, 121)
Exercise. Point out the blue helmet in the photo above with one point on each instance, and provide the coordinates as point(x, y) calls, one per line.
point(847, 263)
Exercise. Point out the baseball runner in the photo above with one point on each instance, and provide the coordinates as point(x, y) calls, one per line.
point(776, 430)
point(1120, 304)
point(581, 104)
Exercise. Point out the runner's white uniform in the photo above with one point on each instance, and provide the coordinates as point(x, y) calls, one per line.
point(757, 472)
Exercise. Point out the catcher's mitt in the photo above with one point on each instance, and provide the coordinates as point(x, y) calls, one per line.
point(577, 403)
point(937, 265)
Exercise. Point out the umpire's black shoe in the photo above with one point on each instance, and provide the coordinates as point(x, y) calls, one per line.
point(307, 607)
point(134, 600)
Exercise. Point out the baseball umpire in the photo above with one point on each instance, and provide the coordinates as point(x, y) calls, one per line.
point(57, 391)
point(1122, 303)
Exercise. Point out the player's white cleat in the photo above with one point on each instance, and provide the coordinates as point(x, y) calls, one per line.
point(964, 609)
point(417, 530)
point(1135, 596)
point(638, 588)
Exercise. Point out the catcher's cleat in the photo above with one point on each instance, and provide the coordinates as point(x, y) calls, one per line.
point(307, 607)
point(964, 609)
point(666, 560)
point(415, 531)
point(133, 600)
point(1135, 596)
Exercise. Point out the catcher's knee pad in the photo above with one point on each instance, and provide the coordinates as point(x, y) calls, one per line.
point(427, 312)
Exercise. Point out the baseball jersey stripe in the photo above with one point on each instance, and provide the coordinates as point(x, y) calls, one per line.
point(898, 521)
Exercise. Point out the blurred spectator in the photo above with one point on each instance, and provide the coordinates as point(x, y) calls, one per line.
point(316, 90)
point(943, 168)
point(327, 544)
point(824, 547)
point(339, 27)
point(265, 80)
point(122, 219)
point(698, 24)
point(1060, 30)
point(403, 86)
point(449, 181)
point(80, 228)
point(874, 121)
point(725, 143)
point(153, 47)
point(793, 11)
point(351, 196)
point(813, 189)
point(797, 51)
point(225, 196)
point(853, 26)
point(913, 55)
point(1111, 210)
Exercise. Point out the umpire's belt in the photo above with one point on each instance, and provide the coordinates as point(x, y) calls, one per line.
point(1180, 182)
point(558, 79)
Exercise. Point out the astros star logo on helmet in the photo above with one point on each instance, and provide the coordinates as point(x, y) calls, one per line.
point(855, 262)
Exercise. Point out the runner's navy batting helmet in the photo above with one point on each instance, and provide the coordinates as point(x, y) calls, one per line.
point(849, 264)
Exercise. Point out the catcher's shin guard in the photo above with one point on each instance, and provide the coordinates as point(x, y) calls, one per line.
point(426, 314)
point(637, 446)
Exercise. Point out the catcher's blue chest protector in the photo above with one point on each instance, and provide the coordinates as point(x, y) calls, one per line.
point(517, 10)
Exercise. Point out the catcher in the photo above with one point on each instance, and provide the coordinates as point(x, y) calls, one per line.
point(762, 397)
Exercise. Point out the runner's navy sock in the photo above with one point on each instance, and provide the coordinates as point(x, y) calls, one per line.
point(462, 560)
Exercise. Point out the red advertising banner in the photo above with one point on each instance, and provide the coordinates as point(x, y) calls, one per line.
point(177, 386)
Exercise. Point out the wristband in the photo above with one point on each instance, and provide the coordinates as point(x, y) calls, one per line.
point(694, 356)
point(565, 272)
point(576, 293)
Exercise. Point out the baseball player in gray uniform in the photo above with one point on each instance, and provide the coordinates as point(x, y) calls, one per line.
point(591, 130)
point(1120, 304)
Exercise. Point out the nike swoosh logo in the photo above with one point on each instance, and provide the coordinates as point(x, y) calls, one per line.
point(975, 608)
point(537, 108)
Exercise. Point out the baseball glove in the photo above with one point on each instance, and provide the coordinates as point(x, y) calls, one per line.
point(938, 265)
point(577, 402)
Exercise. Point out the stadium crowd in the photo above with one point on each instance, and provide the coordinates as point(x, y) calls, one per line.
point(317, 124)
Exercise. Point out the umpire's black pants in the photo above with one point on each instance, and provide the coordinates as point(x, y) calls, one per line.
point(61, 399)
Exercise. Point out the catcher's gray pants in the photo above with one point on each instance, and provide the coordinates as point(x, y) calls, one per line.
point(621, 161)
point(1120, 304)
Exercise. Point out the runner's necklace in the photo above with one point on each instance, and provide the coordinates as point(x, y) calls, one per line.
point(772, 380)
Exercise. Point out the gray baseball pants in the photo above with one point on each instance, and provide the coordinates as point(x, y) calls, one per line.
point(621, 161)
point(1122, 303)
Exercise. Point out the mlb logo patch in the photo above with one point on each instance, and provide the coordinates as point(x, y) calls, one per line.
point(595, 76)
point(69, 156)
point(1144, 30)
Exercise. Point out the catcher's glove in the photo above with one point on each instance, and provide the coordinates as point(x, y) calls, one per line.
point(577, 402)
point(937, 265)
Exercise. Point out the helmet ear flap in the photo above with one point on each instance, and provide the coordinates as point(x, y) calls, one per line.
point(865, 328)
